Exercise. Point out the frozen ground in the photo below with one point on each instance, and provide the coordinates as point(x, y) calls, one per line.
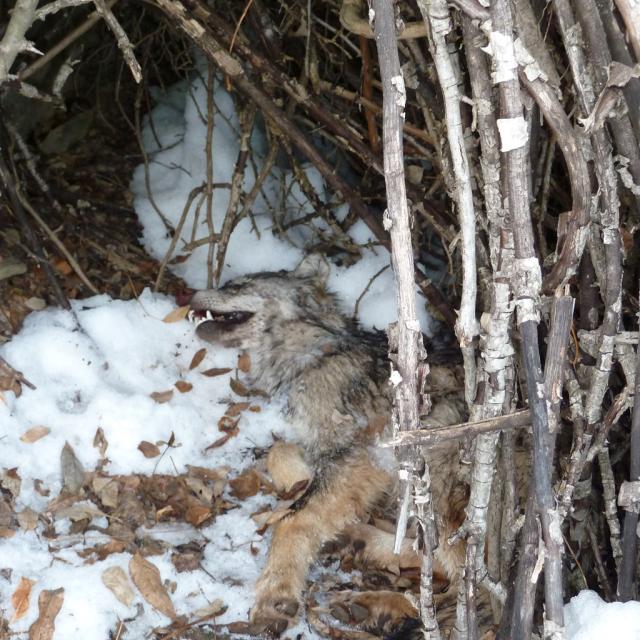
point(97, 373)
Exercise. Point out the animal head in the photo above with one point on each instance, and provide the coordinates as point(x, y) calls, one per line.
point(240, 313)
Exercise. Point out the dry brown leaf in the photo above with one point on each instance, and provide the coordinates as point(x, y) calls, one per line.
point(213, 609)
point(38, 485)
point(247, 484)
point(6, 532)
point(219, 473)
point(116, 580)
point(62, 266)
point(28, 519)
point(20, 598)
point(6, 511)
point(107, 489)
point(162, 396)
point(220, 441)
point(228, 424)
point(148, 449)
point(238, 388)
point(100, 441)
point(236, 408)
point(146, 577)
point(265, 519)
point(11, 481)
point(103, 551)
point(216, 371)
point(79, 511)
point(183, 386)
point(203, 491)
point(72, 470)
point(244, 362)
point(49, 605)
point(197, 514)
point(242, 390)
point(198, 357)
point(187, 557)
point(35, 433)
point(254, 408)
point(177, 314)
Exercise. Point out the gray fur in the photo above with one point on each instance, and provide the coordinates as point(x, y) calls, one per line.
point(305, 350)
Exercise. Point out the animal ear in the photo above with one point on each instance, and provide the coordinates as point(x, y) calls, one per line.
point(313, 266)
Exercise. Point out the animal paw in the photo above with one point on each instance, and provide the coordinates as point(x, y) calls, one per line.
point(271, 616)
point(382, 611)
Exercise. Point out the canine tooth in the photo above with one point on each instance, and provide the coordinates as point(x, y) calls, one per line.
point(190, 315)
point(209, 315)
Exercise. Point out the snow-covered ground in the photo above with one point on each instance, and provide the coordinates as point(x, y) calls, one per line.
point(102, 377)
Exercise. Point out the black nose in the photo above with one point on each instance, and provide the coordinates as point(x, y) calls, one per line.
point(183, 297)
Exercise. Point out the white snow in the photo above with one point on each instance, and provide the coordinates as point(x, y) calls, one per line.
point(588, 617)
point(177, 164)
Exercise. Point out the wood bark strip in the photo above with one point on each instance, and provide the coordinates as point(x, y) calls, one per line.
point(430, 434)
point(527, 288)
point(405, 335)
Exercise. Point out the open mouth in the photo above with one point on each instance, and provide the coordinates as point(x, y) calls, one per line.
point(227, 319)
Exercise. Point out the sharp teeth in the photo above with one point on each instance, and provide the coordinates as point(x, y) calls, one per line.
point(191, 315)
point(209, 315)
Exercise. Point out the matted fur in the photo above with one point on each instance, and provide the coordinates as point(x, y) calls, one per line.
point(333, 379)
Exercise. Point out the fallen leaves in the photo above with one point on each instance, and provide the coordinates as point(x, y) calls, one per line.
point(20, 598)
point(28, 519)
point(247, 484)
point(238, 388)
point(11, 481)
point(49, 605)
point(177, 314)
point(116, 580)
point(242, 390)
point(197, 358)
point(35, 433)
point(11, 379)
point(100, 441)
point(71, 469)
point(162, 396)
point(215, 371)
point(147, 579)
point(187, 557)
point(148, 449)
point(213, 609)
point(197, 514)
point(244, 362)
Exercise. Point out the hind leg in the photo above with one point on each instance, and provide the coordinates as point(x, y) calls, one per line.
point(348, 495)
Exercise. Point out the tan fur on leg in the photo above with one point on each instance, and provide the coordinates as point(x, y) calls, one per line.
point(375, 547)
point(348, 496)
point(287, 467)
point(383, 611)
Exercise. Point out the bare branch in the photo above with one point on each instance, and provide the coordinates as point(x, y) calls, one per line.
point(14, 42)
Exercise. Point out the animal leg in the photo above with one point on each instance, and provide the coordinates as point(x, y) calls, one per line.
point(379, 611)
point(345, 497)
point(287, 467)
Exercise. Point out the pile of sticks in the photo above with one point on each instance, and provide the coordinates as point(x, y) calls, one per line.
point(507, 134)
